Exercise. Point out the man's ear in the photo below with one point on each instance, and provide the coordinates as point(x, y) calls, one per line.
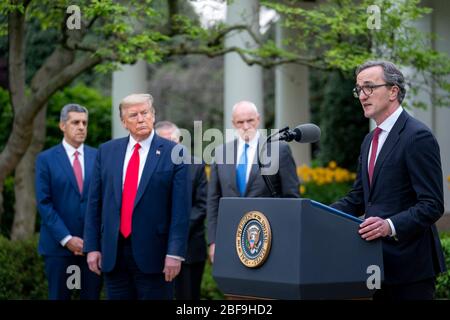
point(395, 91)
point(123, 123)
point(62, 126)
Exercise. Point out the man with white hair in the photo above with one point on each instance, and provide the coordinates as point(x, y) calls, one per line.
point(242, 177)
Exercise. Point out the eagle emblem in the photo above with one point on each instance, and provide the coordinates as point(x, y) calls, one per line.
point(253, 239)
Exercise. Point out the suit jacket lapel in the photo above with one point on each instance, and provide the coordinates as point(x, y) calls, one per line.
point(64, 162)
point(232, 167)
point(118, 169)
point(364, 162)
point(254, 170)
point(154, 154)
point(88, 160)
point(391, 141)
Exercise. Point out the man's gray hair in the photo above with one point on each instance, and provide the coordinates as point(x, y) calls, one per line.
point(71, 107)
point(136, 98)
point(391, 74)
point(168, 125)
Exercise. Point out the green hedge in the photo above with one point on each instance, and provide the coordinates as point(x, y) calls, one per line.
point(21, 270)
point(443, 281)
point(22, 273)
point(209, 290)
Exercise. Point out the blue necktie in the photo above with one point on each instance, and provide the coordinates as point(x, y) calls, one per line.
point(241, 171)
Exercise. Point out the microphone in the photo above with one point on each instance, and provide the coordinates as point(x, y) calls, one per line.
point(304, 133)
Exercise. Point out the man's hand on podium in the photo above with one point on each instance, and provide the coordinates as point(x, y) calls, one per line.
point(374, 227)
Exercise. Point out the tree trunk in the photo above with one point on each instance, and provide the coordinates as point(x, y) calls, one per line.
point(25, 204)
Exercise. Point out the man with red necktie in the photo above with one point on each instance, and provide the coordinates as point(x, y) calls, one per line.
point(399, 186)
point(138, 209)
point(62, 179)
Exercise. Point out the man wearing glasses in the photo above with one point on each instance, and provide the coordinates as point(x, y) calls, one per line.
point(399, 187)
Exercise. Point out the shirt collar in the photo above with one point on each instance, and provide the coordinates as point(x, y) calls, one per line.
point(144, 143)
point(387, 124)
point(70, 150)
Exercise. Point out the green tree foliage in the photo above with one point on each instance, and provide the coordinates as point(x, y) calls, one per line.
point(99, 107)
point(340, 34)
point(339, 116)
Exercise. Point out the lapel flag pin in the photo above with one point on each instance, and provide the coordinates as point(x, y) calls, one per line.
point(158, 152)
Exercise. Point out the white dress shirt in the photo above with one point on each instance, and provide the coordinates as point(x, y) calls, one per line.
point(386, 127)
point(70, 151)
point(143, 153)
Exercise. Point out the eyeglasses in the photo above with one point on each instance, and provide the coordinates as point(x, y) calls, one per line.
point(367, 89)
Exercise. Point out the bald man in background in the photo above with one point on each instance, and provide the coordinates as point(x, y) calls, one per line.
point(242, 177)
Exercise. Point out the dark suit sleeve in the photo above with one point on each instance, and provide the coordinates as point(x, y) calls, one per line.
point(353, 202)
point(44, 198)
point(425, 173)
point(214, 195)
point(92, 221)
point(288, 173)
point(199, 193)
point(181, 207)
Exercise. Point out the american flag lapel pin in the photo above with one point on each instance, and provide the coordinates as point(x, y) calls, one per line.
point(158, 152)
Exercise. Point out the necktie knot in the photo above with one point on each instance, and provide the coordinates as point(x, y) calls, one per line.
point(376, 132)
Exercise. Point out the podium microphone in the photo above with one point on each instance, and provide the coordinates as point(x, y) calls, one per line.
point(304, 133)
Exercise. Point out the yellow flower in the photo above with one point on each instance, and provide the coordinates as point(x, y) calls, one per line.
point(207, 171)
point(302, 189)
point(325, 175)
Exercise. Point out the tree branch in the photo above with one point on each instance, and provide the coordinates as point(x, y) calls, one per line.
point(222, 34)
point(16, 36)
point(57, 82)
point(19, 138)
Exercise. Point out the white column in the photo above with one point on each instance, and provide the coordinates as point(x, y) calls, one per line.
point(242, 82)
point(130, 79)
point(292, 100)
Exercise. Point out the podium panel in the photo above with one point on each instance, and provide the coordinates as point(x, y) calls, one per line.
point(315, 252)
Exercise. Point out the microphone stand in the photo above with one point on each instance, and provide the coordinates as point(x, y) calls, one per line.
point(266, 178)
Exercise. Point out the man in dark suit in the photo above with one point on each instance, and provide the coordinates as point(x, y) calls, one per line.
point(399, 187)
point(188, 282)
point(138, 208)
point(235, 172)
point(62, 180)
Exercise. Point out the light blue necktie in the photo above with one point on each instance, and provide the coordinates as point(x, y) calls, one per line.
point(241, 171)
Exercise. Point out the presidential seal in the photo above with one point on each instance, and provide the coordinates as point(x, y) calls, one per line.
point(253, 239)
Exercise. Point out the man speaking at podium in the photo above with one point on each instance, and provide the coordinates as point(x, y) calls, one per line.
point(399, 187)
point(242, 177)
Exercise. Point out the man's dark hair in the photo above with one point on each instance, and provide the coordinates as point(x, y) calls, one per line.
point(391, 74)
